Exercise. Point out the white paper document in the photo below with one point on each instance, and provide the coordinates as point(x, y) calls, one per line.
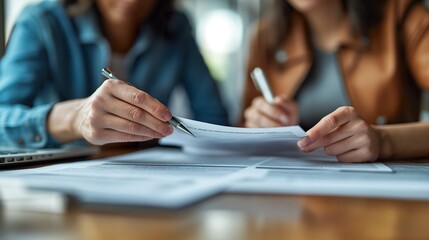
point(396, 184)
point(216, 139)
point(171, 178)
point(119, 181)
point(313, 161)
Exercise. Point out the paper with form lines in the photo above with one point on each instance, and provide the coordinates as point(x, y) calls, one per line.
point(216, 139)
point(277, 143)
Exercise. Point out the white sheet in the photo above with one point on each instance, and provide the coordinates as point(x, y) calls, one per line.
point(116, 181)
point(216, 139)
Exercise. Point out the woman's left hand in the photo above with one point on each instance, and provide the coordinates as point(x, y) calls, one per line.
point(345, 135)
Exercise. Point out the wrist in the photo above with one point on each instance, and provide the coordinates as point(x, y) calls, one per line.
point(75, 122)
point(62, 121)
point(386, 146)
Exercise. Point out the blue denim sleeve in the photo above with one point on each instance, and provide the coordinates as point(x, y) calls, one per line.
point(23, 73)
point(203, 92)
point(24, 127)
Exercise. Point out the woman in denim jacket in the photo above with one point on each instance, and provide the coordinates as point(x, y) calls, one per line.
point(51, 88)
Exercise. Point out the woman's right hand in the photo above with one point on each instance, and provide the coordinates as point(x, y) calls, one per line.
point(261, 114)
point(118, 112)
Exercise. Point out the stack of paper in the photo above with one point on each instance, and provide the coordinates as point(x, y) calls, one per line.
point(215, 139)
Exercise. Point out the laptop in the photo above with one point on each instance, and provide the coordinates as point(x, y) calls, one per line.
point(15, 156)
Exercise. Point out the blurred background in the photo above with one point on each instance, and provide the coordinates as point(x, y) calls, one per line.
point(221, 28)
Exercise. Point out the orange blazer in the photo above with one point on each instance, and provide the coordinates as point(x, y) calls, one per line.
point(383, 76)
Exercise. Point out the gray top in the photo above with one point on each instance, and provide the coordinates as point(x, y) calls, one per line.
point(323, 90)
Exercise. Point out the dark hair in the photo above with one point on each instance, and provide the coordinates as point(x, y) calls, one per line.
point(364, 14)
point(159, 19)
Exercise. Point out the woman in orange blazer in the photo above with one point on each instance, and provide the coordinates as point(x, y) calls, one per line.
point(358, 65)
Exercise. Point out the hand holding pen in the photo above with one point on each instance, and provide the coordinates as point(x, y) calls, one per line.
point(174, 121)
point(269, 110)
point(119, 112)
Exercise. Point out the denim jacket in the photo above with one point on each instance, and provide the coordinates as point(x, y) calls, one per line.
point(53, 57)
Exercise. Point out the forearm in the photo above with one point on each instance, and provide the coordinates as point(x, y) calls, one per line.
point(404, 140)
point(61, 121)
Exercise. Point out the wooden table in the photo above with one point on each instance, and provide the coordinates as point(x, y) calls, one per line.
point(230, 216)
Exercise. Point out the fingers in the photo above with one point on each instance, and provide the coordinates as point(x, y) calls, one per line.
point(92, 128)
point(329, 123)
point(345, 135)
point(122, 125)
point(340, 133)
point(289, 107)
point(136, 118)
point(137, 98)
point(346, 145)
point(114, 137)
point(118, 112)
point(356, 148)
point(273, 111)
point(263, 114)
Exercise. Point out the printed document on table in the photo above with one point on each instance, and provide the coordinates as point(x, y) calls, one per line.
point(405, 180)
point(216, 139)
point(117, 181)
point(171, 178)
point(302, 161)
point(278, 143)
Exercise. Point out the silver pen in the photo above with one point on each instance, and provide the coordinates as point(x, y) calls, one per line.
point(261, 83)
point(175, 122)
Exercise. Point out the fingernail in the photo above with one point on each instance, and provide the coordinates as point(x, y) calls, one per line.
point(283, 119)
point(168, 130)
point(303, 143)
point(166, 116)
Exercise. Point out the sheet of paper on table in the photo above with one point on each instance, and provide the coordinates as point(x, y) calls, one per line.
point(171, 178)
point(119, 181)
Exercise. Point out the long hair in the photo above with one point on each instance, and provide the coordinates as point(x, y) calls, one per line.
point(159, 19)
point(363, 14)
